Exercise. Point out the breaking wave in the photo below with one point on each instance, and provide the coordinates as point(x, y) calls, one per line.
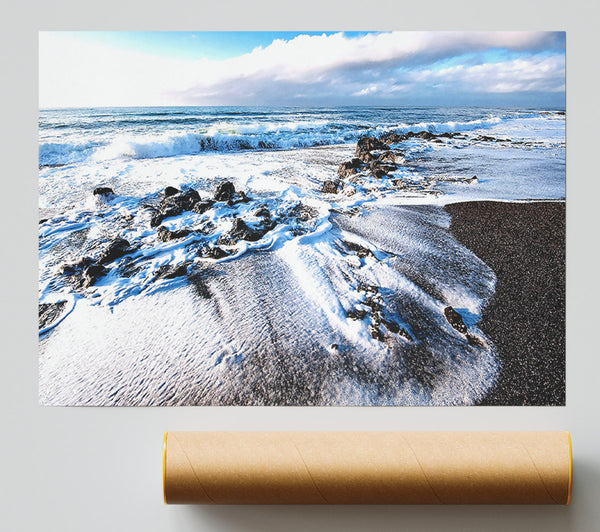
point(224, 136)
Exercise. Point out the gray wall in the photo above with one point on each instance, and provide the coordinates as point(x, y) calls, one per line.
point(93, 469)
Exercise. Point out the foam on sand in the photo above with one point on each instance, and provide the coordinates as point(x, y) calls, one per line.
point(305, 285)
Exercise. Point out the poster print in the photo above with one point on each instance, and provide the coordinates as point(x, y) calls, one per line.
point(302, 218)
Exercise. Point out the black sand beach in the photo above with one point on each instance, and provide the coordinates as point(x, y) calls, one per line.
point(524, 243)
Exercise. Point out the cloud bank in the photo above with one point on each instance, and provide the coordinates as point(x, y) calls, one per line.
point(392, 68)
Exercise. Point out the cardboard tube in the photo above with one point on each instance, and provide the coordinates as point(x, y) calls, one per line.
point(367, 467)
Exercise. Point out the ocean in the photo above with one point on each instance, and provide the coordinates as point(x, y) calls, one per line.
point(216, 255)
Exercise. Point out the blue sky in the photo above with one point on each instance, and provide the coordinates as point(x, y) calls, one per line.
point(215, 45)
point(87, 69)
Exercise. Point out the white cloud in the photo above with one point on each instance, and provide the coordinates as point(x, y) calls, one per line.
point(366, 91)
point(73, 73)
point(545, 74)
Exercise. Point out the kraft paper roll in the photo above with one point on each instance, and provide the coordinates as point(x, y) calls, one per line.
point(367, 467)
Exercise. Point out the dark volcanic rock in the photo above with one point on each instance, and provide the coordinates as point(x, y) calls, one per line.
point(76, 268)
point(378, 172)
point(174, 203)
point(92, 273)
point(239, 197)
point(369, 288)
point(242, 197)
point(361, 251)
point(330, 187)
point(303, 212)
point(103, 191)
point(455, 319)
point(164, 235)
point(393, 138)
point(129, 267)
point(159, 216)
point(213, 252)
point(263, 212)
point(388, 157)
point(241, 231)
point(382, 166)
point(116, 249)
point(448, 135)
point(370, 144)
point(366, 145)
point(267, 225)
point(373, 304)
point(169, 271)
point(49, 312)
point(184, 200)
point(391, 326)
point(425, 135)
point(357, 314)
point(171, 191)
point(475, 340)
point(225, 191)
point(203, 206)
point(376, 333)
point(86, 271)
point(348, 168)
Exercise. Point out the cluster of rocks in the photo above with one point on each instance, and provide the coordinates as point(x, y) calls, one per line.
point(88, 270)
point(373, 157)
point(487, 138)
point(372, 308)
point(241, 231)
point(395, 138)
point(377, 158)
point(175, 202)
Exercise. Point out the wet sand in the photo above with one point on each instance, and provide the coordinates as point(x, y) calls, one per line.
point(524, 243)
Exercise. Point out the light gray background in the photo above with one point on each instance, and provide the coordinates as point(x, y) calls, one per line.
point(95, 469)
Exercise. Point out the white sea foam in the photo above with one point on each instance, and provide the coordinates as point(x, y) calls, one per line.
point(245, 342)
point(448, 127)
point(235, 136)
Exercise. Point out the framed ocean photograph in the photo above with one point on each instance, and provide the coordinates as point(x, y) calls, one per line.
point(302, 218)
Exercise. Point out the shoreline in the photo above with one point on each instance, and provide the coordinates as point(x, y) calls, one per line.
point(242, 338)
point(524, 244)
